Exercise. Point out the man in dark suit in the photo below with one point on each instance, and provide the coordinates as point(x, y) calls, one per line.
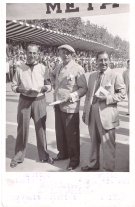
point(101, 114)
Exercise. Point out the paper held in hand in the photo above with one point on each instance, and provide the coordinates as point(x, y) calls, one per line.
point(35, 90)
point(102, 90)
point(54, 103)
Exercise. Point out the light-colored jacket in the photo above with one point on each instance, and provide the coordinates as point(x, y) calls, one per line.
point(72, 80)
point(113, 82)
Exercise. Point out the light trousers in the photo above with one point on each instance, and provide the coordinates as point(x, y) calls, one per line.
point(101, 136)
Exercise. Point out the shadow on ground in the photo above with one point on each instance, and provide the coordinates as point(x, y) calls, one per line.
point(124, 118)
point(121, 161)
point(123, 113)
point(122, 131)
point(32, 154)
point(122, 157)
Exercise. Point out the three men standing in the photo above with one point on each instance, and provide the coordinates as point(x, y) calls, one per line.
point(31, 81)
point(70, 86)
point(100, 111)
point(101, 114)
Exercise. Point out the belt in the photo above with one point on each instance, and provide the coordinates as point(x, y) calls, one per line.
point(28, 98)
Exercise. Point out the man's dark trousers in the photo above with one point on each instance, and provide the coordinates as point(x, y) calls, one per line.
point(67, 135)
point(36, 108)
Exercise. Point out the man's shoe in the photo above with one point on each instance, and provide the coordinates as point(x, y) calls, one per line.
point(88, 169)
point(72, 167)
point(50, 160)
point(60, 158)
point(13, 163)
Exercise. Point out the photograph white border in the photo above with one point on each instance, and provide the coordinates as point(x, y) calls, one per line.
point(116, 181)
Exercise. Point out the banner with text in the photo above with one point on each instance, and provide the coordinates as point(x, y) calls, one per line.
point(16, 11)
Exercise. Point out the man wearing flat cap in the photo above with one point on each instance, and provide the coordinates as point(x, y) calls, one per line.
point(70, 85)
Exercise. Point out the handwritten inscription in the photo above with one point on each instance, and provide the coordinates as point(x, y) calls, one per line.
point(40, 187)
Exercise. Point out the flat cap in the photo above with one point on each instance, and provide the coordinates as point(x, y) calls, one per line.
point(67, 47)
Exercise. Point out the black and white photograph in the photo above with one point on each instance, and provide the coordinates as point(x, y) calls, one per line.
point(67, 103)
point(52, 125)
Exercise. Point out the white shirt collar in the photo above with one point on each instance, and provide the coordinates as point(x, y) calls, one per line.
point(104, 72)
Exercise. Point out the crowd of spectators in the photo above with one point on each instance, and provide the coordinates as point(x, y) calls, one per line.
point(48, 56)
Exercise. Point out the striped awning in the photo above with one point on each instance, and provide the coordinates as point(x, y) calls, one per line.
point(21, 31)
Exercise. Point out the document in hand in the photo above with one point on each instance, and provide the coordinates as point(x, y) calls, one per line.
point(36, 89)
point(54, 103)
point(102, 90)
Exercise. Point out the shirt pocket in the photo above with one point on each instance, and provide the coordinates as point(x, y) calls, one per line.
point(71, 81)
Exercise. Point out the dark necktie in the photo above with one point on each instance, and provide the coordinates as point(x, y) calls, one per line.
point(98, 82)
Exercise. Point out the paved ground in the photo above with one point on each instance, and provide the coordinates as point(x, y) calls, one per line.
point(32, 163)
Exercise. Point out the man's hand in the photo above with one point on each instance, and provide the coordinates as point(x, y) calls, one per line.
point(24, 90)
point(44, 89)
point(101, 98)
point(83, 117)
point(66, 97)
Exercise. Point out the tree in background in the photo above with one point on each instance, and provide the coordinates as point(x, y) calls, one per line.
point(75, 26)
